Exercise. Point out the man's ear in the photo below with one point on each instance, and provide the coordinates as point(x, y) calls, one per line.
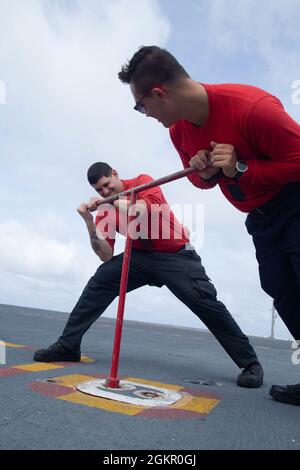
point(159, 92)
point(114, 173)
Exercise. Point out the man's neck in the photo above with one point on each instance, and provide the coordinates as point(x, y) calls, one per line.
point(194, 104)
point(121, 186)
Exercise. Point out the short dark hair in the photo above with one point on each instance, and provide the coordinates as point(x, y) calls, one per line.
point(152, 66)
point(97, 170)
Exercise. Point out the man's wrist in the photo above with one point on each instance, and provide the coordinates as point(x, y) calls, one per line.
point(232, 174)
point(216, 176)
point(241, 167)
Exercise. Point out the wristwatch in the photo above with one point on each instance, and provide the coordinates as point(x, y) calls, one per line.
point(241, 167)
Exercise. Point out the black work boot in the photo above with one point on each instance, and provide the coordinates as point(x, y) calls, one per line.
point(252, 376)
point(286, 393)
point(56, 353)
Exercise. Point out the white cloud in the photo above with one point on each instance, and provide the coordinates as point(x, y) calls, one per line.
point(266, 33)
point(2, 92)
point(25, 251)
point(37, 268)
point(63, 76)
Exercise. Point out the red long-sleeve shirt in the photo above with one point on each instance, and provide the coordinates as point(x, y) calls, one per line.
point(163, 232)
point(263, 134)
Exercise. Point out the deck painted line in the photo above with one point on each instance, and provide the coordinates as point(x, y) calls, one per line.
point(18, 369)
point(133, 393)
point(196, 405)
point(153, 384)
point(10, 372)
point(37, 367)
point(42, 388)
point(18, 346)
point(106, 405)
point(84, 358)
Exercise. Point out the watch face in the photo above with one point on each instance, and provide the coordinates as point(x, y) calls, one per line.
point(241, 167)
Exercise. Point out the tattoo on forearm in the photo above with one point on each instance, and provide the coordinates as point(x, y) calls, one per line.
point(95, 241)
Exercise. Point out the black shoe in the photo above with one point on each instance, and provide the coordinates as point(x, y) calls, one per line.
point(286, 393)
point(56, 353)
point(252, 376)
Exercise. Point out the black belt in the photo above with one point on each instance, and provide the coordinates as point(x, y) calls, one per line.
point(267, 208)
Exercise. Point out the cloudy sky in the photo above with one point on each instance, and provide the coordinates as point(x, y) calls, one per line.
point(63, 108)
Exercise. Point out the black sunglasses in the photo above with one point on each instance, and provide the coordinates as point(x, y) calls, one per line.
point(139, 105)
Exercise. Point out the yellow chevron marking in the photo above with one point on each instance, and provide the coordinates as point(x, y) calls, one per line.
point(107, 405)
point(201, 405)
point(154, 384)
point(72, 380)
point(86, 359)
point(12, 345)
point(38, 366)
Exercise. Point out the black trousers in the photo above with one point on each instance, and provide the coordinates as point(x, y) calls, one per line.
point(183, 274)
point(275, 228)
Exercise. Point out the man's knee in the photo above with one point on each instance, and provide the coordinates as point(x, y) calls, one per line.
point(274, 278)
point(107, 277)
point(268, 287)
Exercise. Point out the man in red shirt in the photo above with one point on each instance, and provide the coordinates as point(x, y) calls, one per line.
point(161, 255)
point(241, 138)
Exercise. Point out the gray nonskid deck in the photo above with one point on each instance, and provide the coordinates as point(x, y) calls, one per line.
point(243, 419)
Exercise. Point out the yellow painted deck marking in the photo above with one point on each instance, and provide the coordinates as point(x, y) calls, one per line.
point(186, 399)
point(154, 384)
point(201, 404)
point(73, 380)
point(86, 359)
point(12, 345)
point(107, 405)
point(37, 367)
point(196, 404)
